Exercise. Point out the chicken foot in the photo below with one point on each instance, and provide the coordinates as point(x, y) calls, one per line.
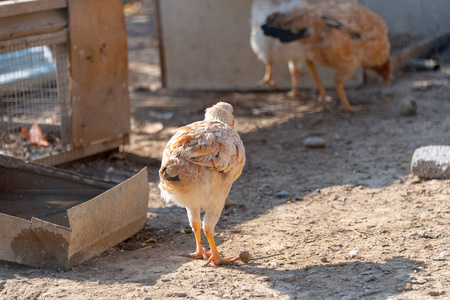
point(345, 104)
point(215, 257)
point(200, 252)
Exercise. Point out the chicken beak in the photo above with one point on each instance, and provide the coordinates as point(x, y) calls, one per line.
point(388, 82)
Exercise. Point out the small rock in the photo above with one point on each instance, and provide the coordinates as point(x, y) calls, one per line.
point(408, 106)
point(187, 230)
point(429, 235)
point(289, 278)
point(264, 279)
point(444, 254)
point(273, 264)
point(352, 254)
point(315, 142)
point(403, 278)
point(146, 298)
point(179, 294)
point(431, 162)
point(282, 194)
point(245, 256)
point(410, 235)
point(437, 293)
point(370, 278)
point(109, 170)
point(324, 259)
point(438, 258)
point(419, 280)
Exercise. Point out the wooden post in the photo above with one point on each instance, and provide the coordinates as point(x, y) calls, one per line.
point(99, 71)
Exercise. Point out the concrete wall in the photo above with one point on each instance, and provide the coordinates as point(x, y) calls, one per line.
point(412, 20)
point(207, 47)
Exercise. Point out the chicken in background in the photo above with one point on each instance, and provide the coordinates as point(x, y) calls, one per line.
point(342, 36)
point(271, 51)
point(199, 165)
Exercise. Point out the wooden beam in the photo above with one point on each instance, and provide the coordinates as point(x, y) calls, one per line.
point(30, 24)
point(36, 40)
point(162, 62)
point(74, 154)
point(20, 7)
point(99, 71)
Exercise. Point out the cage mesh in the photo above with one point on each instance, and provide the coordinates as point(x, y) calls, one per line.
point(34, 88)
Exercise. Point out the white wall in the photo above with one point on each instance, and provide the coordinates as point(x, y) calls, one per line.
point(416, 19)
point(207, 47)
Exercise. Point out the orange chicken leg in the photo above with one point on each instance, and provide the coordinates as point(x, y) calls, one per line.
point(319, 84)
point(267, 79)
point(293, 71)
point(345, 104)
point(215, 256)
point(200, 252)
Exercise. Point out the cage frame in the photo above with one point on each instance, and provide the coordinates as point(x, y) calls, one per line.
point(97, 100)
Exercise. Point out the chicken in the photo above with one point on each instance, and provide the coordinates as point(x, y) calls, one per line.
point(200, 163)
point(342, 36)
point(269, 50)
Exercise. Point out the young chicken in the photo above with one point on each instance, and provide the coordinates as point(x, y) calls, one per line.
point(342, 36)
point(200, 163)
point(271, 51)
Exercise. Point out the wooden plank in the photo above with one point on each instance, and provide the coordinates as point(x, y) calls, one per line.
point(20, 7)
point(71, 155)
point(162, 58)
point(99, 71)
point(30, 24)
point(60, 56)
point(60, 36)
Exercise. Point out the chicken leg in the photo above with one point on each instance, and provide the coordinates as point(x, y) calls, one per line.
point(293, 71)
point(196, 225)
point(267, 79)
point(209, 222)
point(318, 82)
point(215, 256)
point(345, 104)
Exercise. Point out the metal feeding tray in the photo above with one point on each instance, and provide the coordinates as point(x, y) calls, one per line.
point(55, 218)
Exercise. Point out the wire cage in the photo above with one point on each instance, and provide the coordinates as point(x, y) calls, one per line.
point(34, 89)
point(63, 79)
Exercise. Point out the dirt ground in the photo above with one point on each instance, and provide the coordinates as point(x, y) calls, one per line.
point(347, 221)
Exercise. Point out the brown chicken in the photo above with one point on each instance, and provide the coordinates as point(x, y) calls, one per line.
point(342, 36)
point(200, 163)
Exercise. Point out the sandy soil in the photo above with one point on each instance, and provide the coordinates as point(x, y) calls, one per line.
point(306, 209)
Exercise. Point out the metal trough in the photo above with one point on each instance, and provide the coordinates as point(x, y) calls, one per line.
point(55, 218)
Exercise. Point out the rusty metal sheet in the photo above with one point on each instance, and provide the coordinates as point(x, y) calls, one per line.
point(55, 218)
point(108, 219)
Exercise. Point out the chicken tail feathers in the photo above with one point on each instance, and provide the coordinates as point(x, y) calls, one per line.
point(277, 26)
point(171, 172)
